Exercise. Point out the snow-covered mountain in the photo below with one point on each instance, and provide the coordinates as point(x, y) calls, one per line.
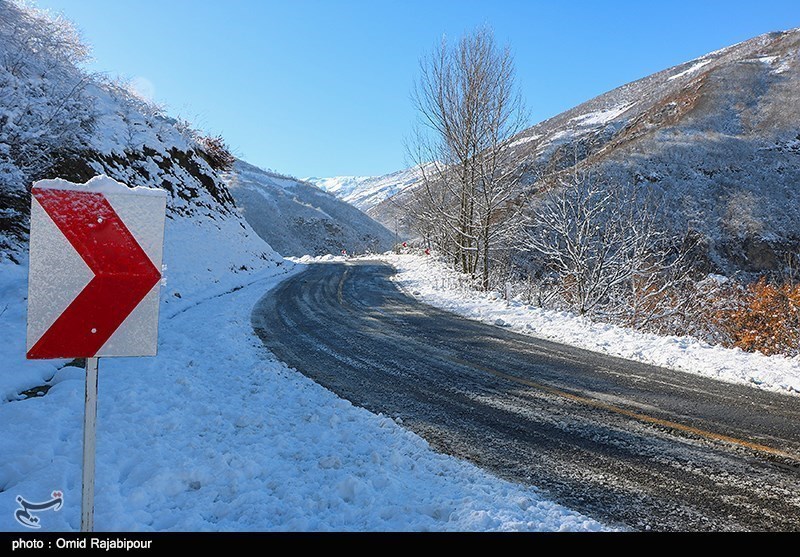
point(342, 187)
point(312, 221)
point(718, 138)
point(367, 191)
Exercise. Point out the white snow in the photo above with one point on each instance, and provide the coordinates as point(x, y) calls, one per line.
point(560, 137)
point(576, 127)
point(785, 62)
point(340, 186)
point(778, 64)
point(524, 140)
point(600, 117)
point(432, 282)
point(99, 184)
point(692, 69)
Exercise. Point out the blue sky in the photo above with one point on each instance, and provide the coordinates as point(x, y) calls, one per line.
point(321, 88)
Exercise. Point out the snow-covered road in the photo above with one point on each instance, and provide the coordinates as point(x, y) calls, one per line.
point(622, 441)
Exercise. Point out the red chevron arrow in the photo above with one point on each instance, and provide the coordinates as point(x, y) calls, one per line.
point(123, 274)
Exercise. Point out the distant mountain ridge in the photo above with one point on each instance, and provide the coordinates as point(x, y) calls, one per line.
point(366, 192)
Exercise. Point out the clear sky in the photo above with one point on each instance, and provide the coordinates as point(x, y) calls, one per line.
point(321, 87)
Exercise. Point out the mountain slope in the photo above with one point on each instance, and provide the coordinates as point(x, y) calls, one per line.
point(313, 222)
point(717, 138)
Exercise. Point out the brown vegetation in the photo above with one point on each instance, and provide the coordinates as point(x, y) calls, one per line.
point(762, 317)
point(217, 153)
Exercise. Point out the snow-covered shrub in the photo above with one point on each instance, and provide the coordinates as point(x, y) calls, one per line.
point(600, 246)
point(43, 103)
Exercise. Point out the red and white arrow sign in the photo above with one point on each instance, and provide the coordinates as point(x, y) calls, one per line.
point(95, 269)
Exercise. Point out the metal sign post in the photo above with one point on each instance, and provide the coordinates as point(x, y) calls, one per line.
point(89, 439)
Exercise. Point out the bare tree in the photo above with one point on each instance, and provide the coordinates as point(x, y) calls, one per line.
point(469, 108)
point(606, 250)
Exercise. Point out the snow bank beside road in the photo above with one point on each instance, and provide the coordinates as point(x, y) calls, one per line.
point(432, 282)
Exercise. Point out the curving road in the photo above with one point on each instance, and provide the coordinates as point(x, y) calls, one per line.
point(629, 444)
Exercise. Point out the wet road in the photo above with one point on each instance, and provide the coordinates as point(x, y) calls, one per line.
point(626, 443)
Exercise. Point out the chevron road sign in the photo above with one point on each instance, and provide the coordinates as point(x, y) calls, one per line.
point(95, 269)
point(93, 284)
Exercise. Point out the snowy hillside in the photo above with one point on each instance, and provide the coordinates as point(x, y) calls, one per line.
point(717, 137)
point(311, 222)
point(366, 192)
point(57, 121)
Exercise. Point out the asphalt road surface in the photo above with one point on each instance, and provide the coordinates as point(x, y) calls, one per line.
point(629, 444)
